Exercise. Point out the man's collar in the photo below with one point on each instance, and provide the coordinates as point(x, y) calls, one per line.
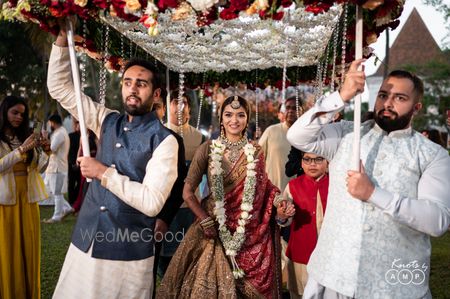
point(397, 133)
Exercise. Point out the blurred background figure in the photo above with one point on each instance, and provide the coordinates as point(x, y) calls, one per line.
point(21, 188)
point(74, 174)
point(56, 174)
point(435, 136)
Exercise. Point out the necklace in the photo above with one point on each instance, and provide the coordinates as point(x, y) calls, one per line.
point(232, 242)
point(234, 147)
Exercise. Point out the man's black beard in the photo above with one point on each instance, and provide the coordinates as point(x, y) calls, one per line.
point(145, 108)
point(390, 125)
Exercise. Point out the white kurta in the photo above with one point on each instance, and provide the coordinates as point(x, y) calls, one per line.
point(56, 173)
point(84, 276)
point(364, 246)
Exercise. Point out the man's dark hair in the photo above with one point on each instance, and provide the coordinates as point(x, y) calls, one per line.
point(417, 82)
point(156, 79)
point(293, 99)
point(163, 95)
point(56, 119)
point(174, 96)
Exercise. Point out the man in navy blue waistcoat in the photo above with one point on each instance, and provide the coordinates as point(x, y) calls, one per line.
point(111, 254)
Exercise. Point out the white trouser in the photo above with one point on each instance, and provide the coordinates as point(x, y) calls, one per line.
point(315, 290)
point(61, 207)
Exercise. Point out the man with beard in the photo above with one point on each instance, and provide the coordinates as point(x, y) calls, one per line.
point(112, 248)
point(375, 238)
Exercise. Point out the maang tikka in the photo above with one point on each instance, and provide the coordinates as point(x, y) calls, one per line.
point(235, 104)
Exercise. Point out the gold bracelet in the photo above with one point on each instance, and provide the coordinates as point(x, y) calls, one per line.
point(207, 219)
point(206, 226)
point(207, 222)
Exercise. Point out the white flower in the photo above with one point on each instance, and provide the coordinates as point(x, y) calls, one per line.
point(244, 215)
point(250, 158)
point(202, 5)
point(241, 222)
point(151, 8)
point(246, 207)
point(220, 212)
point(230, 252)
point(249, 149)
point(216, 158)
point(219, 204)
point(251, 173)
point(240, 230)
point(216, 171)
point(251, 165)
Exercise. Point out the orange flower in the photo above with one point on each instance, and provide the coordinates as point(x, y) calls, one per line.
point(132, 5)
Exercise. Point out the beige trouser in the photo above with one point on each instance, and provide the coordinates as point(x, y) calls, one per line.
point(297, 279)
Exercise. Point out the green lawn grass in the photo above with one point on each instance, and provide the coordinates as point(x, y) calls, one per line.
point(56, 240)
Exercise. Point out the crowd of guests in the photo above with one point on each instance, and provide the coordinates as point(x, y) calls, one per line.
point(255, 216)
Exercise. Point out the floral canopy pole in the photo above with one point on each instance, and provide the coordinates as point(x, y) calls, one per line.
point(210, 35)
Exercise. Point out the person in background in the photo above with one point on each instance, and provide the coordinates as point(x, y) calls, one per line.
point(21, 162)
point(281, 114)
point(276, 146)
point(173, 203)
point(56, 173)
point(309, 194)
point(74, 175)
point(379, 217)
point(435, 136)
point(192, 138)
point(276, 150)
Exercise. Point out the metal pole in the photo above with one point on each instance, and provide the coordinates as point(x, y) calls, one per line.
point(77, 88)
point(168, 96)
point(357, 112)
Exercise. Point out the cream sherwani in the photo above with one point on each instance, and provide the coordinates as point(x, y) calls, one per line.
point(276, 150)
point(192, 138)
point(82, 275)
point(378, 248)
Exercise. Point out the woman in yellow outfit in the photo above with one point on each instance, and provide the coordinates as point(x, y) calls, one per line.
point(21, 188)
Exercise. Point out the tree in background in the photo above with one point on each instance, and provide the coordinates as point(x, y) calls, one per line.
point(24, 54)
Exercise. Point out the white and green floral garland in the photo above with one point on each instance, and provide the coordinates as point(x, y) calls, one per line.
point(232, 242)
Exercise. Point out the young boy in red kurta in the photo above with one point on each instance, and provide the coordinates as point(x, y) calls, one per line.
point(309, 194)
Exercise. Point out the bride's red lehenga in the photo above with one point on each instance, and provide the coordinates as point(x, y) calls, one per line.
point(200, 267)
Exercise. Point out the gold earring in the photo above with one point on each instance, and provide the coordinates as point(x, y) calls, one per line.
point(222, 132)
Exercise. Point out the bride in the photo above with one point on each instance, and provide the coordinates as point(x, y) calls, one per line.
point(232, 250)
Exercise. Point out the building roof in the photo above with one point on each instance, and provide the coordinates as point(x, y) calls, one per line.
point(413, 45)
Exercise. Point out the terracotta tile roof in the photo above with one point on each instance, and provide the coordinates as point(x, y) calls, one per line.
point(413, 45)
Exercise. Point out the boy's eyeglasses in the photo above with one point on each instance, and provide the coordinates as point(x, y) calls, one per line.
point(317, 160)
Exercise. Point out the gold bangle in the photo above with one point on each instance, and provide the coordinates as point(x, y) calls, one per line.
point(208, 226)
point(207, 219)
point(207, 223)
